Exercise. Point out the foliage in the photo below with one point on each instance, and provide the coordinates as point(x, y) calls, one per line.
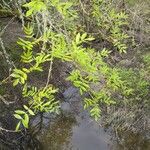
point(53, 34)
point(131, 112)
point(41, 100)
point(23, 117)
point(109, 20)
point(38, 99)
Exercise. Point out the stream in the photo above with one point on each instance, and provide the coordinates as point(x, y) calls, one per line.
point(75, 130)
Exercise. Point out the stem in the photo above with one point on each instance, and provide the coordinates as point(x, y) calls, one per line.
point(49, 72)
point(3, 129)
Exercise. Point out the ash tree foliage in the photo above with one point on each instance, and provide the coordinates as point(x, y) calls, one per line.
point(67, 45)
point(55, 30)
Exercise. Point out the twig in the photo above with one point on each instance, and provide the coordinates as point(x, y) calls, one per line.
point(49, 72)
point(2, 32)
point(83, 7)
point(2, 44)
point(4, 101)
point(3, 129)
point(11, 63)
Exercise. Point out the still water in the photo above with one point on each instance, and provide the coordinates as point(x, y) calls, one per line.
point(75, 130)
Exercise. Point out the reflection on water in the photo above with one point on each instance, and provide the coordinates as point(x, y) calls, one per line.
point(68, 133)
point(75, 130)
point(58, 134)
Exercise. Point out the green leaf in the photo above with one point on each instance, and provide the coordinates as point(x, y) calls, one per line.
point(78, 38)
point(25, 121)
point(18, 126)
point(29, 12)
point(26, 70)
point(83, 36)
point(20, 112)
point(30, 4)
point(15, 82)
point(25, 107)
point(31, 112)
point(18, 116)
point(90, 39)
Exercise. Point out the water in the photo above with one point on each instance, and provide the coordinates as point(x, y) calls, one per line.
point(75, 130)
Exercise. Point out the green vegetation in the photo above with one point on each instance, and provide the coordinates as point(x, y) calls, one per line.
point(66, 31)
